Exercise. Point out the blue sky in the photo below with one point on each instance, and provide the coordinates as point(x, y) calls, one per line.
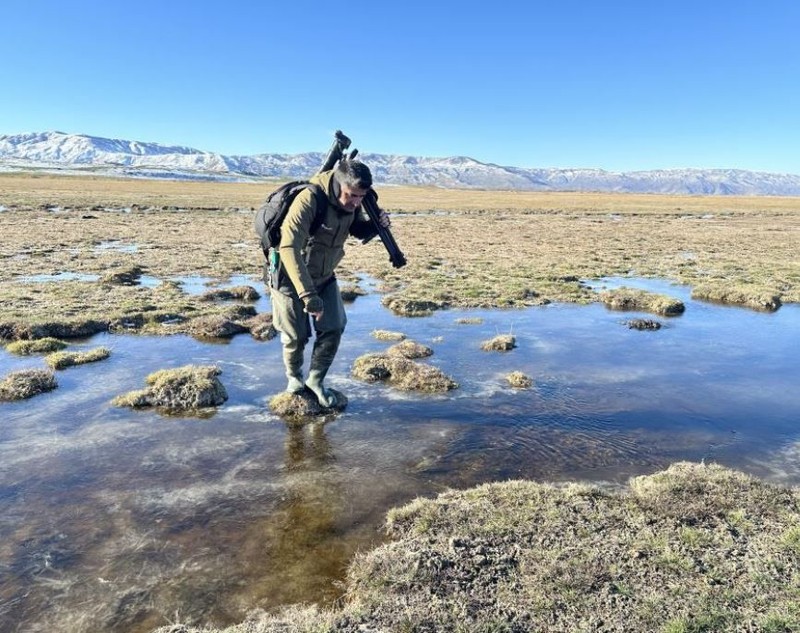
point(616, 85)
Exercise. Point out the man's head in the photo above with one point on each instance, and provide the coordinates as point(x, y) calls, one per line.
point(354, 180)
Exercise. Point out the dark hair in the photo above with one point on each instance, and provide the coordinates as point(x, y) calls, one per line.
point(353, 173)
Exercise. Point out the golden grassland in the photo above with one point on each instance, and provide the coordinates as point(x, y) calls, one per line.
point(465, 248)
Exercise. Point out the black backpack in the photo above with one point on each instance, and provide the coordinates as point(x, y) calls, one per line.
point(270, 215)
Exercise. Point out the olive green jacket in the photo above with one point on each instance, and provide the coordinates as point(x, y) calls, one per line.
point(310, 260)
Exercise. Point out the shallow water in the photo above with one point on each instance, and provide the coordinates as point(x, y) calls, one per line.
point(116, 520)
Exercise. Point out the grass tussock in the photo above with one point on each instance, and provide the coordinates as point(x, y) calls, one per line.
point(402, 373)
point(64, 359)
point(215, 326)
point(241, 293)
point(410, 349)
point(26, 383)
point(763, 299)
point(643, 324)
point(261, 327)
point(469, 320)
point(387, 335)
point(694, 548)
point(519, 380)
point(299, 406)
point(124, 276)
point(36, 346)
point(641, 300)
point(351, 292)
point(500, 343)
point(182, 389)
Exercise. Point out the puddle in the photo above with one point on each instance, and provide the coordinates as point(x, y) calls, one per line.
point(55, 277)
point(112, 519)
point(116, 246)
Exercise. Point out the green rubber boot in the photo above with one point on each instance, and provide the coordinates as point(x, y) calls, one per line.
point(293, 362)
point(325, 347)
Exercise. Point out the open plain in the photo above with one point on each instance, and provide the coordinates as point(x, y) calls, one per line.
point(465, 248)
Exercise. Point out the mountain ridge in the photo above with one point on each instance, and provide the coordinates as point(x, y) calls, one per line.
point(80, 153)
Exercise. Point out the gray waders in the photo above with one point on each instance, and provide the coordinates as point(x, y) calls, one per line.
point(295, 326)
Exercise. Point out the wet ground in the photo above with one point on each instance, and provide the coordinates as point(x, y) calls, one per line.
point(118, 520)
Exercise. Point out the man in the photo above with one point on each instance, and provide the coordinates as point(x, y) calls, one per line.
point(305, 285)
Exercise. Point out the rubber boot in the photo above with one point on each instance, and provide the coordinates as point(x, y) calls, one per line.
point(293, 362)
point(325, 347)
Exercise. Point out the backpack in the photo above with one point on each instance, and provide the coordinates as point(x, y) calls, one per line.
point(270, 215)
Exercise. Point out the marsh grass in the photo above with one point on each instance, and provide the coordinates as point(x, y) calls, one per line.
point(519, 380)
point(539, 248)
point(500, 343)
point(668, 554)
point(387, 335)
point(402, 373)
point(64, 359)
point(410, 349)
point(764, 299)
point(242, 293)
point(183, 389)
point(26, 383)
point(300, 407)
point(641, 300)
point(36, 346)
point(695, 548)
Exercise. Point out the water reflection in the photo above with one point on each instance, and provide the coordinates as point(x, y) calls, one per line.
point(118, 520)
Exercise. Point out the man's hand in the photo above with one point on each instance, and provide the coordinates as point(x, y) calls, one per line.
point(384, 220)
point(314, 306)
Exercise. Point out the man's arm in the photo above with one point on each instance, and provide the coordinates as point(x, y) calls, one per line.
point(294, 235)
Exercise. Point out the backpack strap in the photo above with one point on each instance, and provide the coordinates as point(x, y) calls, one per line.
point(321, 199)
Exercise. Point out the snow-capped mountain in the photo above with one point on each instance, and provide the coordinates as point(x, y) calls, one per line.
point(78, 153)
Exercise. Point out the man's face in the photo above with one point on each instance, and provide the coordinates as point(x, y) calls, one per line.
point(350, 197)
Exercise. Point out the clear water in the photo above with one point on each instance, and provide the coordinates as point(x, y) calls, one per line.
point(120, 520)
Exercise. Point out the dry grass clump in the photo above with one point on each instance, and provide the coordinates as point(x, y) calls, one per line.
point(125, 276)
point(500, 343)
point(36, 346)
point(23, 329)
point(633, 299)
point(242, 293)
point(296, 406)
point(402, 373)
point(221, 325)
point(412, 307)
point(410, 350)
point(26, 383)
point(750, 297)
point(388, 335)
point(62, 360)
point(181, 389)
point(351, 292)
point(519, 380)
point(643, 324)
point(261, 327)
